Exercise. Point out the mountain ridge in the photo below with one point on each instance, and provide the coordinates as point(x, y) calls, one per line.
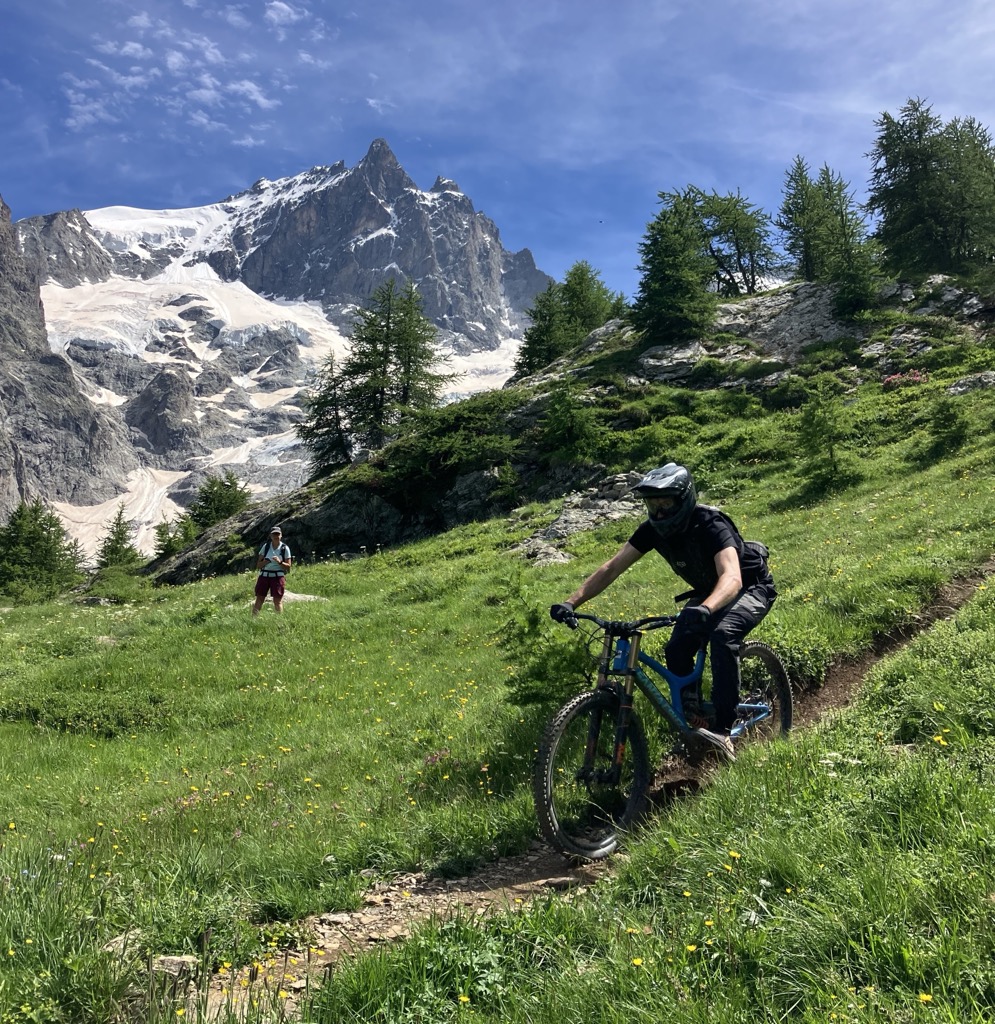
point(192, 331)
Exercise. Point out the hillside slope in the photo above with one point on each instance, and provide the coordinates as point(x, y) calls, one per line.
point(619, 402)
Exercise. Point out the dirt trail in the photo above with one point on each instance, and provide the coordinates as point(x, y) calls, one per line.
point(393, 908)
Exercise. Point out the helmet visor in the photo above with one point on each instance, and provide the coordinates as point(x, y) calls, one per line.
point(660, 507)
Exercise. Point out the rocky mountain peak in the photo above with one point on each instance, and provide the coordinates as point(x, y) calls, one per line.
point(381, 171)
point(64, 249)
point(379, 153)
point(445, 185)
point(198, 327)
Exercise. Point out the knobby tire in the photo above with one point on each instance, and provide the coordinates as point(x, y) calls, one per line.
point(764, 676)
point(580, 812)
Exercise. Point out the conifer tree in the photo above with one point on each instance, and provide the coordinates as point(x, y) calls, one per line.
point(564, 315)
point(219, 497)
point(673, 302)
point(844, 250)
point(323, 431)
point(389, 371)
point(802, 220)
point(37, 557)
point(548, 336)
point(736, 235)
point(587, 301)
point(416, 384)
point(933, 188)
point(116, 549)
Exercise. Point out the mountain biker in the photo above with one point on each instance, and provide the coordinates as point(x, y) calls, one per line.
point(732, 588)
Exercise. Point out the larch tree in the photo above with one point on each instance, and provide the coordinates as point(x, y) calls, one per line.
point(674, 302)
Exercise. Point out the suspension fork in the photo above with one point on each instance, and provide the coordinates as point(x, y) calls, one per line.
point(622, 720)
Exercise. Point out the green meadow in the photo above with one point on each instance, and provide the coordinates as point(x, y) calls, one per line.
point(185, 779)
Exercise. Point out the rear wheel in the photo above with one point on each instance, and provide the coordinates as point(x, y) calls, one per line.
point(764, 681)
point(583, 802)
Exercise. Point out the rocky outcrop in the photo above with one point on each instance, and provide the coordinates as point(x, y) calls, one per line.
point(163, 415)
point(63, 249)
point(54, 443)
point(781, 322)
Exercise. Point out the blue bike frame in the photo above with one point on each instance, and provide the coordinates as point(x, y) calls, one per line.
point(623, 664)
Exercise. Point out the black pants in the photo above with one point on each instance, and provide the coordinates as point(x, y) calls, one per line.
point(728, 628)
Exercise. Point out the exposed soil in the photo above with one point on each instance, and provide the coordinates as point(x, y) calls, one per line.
point(393, 907)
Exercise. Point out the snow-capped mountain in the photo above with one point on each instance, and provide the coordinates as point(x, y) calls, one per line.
point(194, 330)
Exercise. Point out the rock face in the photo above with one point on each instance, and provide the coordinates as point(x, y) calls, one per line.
point(331, 235)
point(53, 443)
point(177, 342)
point(781, 322)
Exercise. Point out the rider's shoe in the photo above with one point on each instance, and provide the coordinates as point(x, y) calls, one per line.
point(721, 740)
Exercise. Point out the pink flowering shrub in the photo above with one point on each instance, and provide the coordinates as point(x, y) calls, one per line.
point(904, 380)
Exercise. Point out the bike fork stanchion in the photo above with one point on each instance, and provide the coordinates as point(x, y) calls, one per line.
point(625, 704)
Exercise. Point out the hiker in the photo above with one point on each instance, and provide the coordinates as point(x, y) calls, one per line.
point(732, 588)
point(272, 565)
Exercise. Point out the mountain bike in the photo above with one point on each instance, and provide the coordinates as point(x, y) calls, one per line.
point(592, 770)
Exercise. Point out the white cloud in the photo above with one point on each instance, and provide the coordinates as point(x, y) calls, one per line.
point(306, 58)
point(253, 93)
point(380, 106)
point(86, 111)
point(137, 79)
point(131, 49)
point(135, 50)
point(140, 21)
point(209, 92)
point(235, 17)
point(200, 119)
point(280, 13)
point(201, 49)
point(176, 62)
point(249, 142)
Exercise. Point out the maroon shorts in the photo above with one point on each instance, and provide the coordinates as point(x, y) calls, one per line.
point(274, 585)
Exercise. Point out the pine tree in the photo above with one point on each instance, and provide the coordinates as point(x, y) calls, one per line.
point(548, 336)
point(673, 303)
point(415, 384)
point(37, 557)
point(323, 431)
point(389, 371)
point(116, 549)
point(844, 251)
point(969, 214)
point(737, 239)
point(587, 302)
point(366, 371)
point(564, 315)
point(933, 187)
point(219, 497)
point(802, 220)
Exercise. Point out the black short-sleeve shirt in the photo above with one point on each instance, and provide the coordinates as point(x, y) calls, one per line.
point(691, 553)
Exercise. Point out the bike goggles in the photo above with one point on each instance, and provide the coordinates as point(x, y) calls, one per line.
point(665, 503)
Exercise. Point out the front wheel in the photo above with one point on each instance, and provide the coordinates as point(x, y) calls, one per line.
point(583, 801)
point(765, 707)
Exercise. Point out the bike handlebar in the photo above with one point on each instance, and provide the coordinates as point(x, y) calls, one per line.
point(622, 628)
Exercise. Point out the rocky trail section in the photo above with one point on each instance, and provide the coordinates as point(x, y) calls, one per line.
point(394, 907)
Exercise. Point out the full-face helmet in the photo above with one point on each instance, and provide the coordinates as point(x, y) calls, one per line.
point(670, 497)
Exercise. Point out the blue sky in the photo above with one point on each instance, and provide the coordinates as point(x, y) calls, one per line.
point(561, 119)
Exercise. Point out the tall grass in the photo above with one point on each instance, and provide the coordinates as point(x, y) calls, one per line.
point(181, 778)
point(844, 875)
